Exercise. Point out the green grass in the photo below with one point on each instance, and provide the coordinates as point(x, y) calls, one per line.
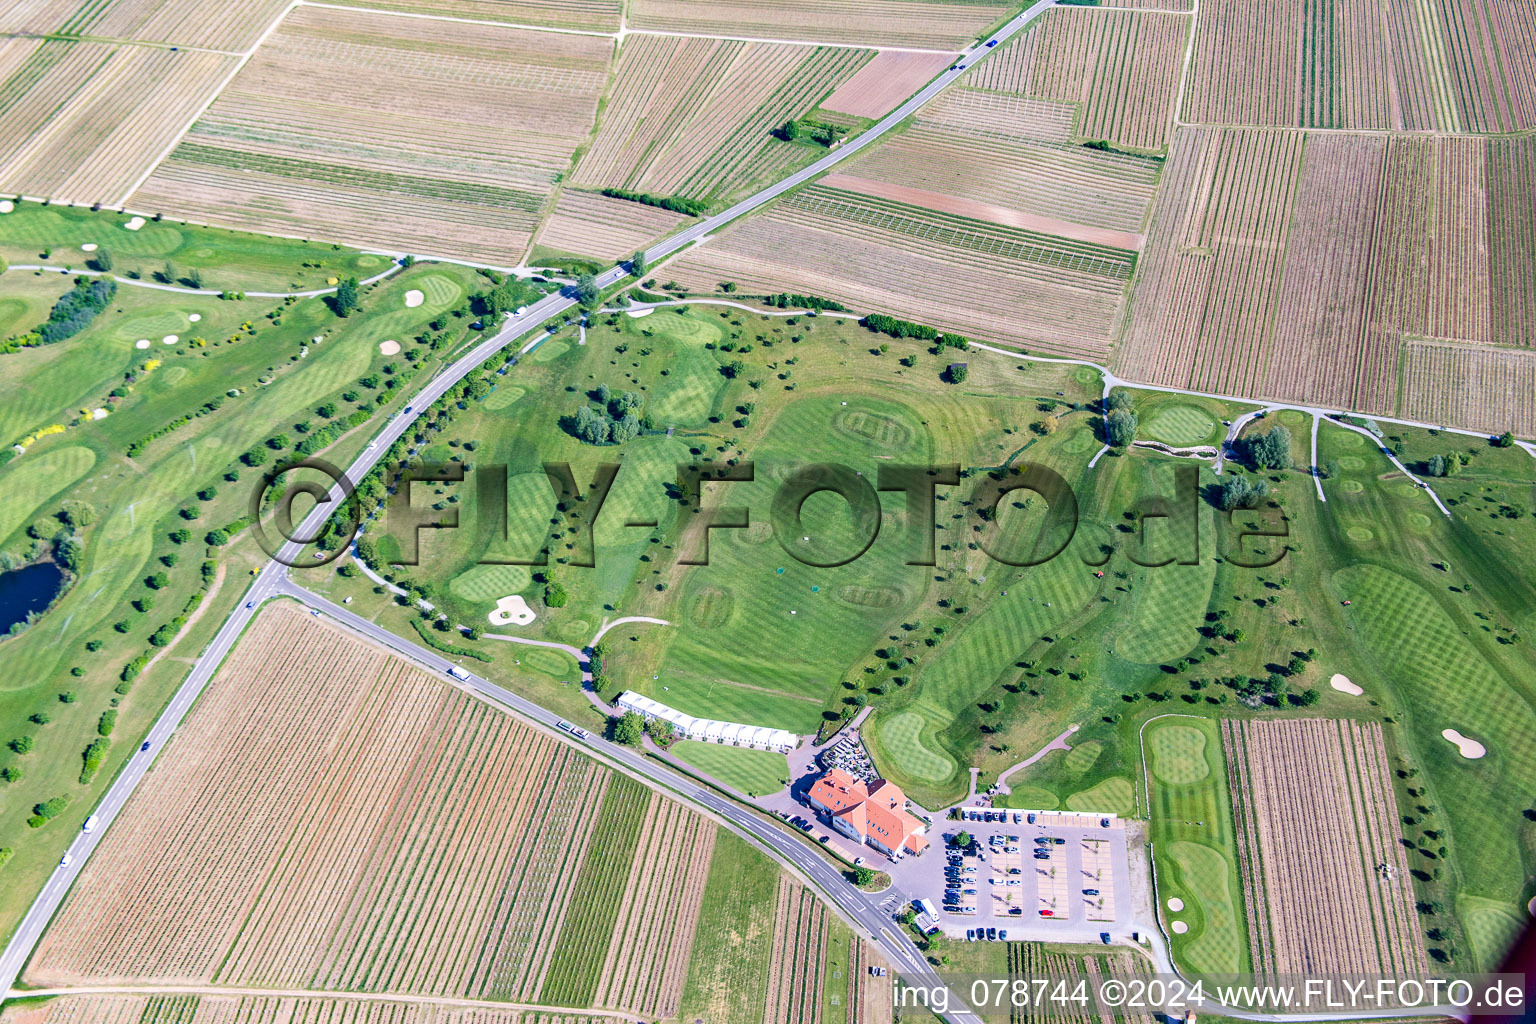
point(1181, 426)
point(31, 482)
point(1492, 927)
point(728, 969)
point(596, 896)
point(902, 744)
point(227, 259)
point(753, 772)
point(491, 582)
point(1082, 756)
point(1114, 794)
point(1193, 842)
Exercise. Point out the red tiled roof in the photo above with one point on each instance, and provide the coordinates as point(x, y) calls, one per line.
point(877, 811)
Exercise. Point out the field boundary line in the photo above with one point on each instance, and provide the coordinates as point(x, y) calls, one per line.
point(240, 63)
point(301, 993)
point(423, 16)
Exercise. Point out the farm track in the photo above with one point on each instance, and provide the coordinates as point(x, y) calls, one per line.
point(271, 582)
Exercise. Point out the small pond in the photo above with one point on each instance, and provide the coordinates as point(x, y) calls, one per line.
point(26, 590)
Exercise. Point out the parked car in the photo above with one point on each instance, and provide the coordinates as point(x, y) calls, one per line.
point(970, 935)
point(1090, 892)
point(991, 934)
point(1104, 823)
point(1031, 817)
point(1047, 913)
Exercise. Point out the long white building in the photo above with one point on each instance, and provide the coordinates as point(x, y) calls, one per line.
point(708, 730)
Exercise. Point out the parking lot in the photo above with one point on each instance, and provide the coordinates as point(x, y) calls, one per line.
point(1063, 877)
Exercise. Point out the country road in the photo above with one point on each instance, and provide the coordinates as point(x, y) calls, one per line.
point(273, 581)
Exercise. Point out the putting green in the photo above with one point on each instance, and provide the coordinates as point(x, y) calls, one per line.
point(1346, 439)
point(1178, 753)
point(438, 291)
point(1079, 441)
point(547, 660)
point(1351, 486)
point(490, 582)
point(1181, 425)
point(682, 327)
point(31, 480)
point(551, 350)
point(1213, 944)
point(1418, 520)
point(753, 772)
point(901, 738)
point(1360, 534)
point(1492, 928)
point(153, 326)
point(1113, 794)
point(1351, 462)
point(504, 396)
point(1081, 757)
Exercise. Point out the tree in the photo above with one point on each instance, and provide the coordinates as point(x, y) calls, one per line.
point(1120, 427)
point(863, 877)
point(1270, 450)
point(193, 278)
point(637, 263)
point(1504, 440)
point(586, 291)
point(101, 260)
point(628, 729)
point(344, 300)
point(1239, 492)
point(963, 840)
point(661, 731)
point(957, 373)
point(1117, 400)
point(554, 594)
point(590, 426)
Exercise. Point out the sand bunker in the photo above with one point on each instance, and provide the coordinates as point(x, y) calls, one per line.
point(170, 339)
point(6, 206)
point(641, 312)
point(1175, 904)
point(390, 348)
point(194, 317)
point(98, 414)
point(141, 343)
point(88, 247)
point(414, 298)
point(1470, 748)
point(512, 610)
point(134, 223)
point(1343, 685)
point(1179, 927)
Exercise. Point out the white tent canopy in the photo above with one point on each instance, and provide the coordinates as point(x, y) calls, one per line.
point(707, 730)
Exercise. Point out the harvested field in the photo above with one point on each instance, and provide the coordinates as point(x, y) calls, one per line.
point(1326, 879)
point(692, 117)
point(879, 86)
point(933, 24)
point(589, 224)
point(1019, 287)
point(1461, 65)
point(1471, 386)
point(84, 121)
point(373, 128)
point(595, 15)
point(214, 1009)
point(648, 956)
point(1120, 67)
point(371, 830)
point(230, 25)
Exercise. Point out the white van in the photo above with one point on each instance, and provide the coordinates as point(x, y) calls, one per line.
point(90, 824)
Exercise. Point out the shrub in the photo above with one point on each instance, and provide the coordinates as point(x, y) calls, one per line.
point(22, 744)
point(92, 758)
point(76, 309)
point(107, 722)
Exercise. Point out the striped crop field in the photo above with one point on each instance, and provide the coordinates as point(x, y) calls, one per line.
point(591, 224)
point(944, 25)
point(692, 117)
point(356, 125)
point(593, 15)
point(1325, 875)
point(1121, 68)
point(228, 25)
point(1474, 386)
point(83, 121)
point(1025, 287)
point(1320, 268)
point(270, 1009)
point(1460, 65)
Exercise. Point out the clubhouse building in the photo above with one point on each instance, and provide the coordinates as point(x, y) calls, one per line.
point(707, 730)
point(871, 813)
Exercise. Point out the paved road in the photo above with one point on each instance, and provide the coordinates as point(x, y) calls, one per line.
point(272, 580)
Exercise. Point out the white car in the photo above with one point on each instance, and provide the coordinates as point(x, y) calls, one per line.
point(65, 860)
